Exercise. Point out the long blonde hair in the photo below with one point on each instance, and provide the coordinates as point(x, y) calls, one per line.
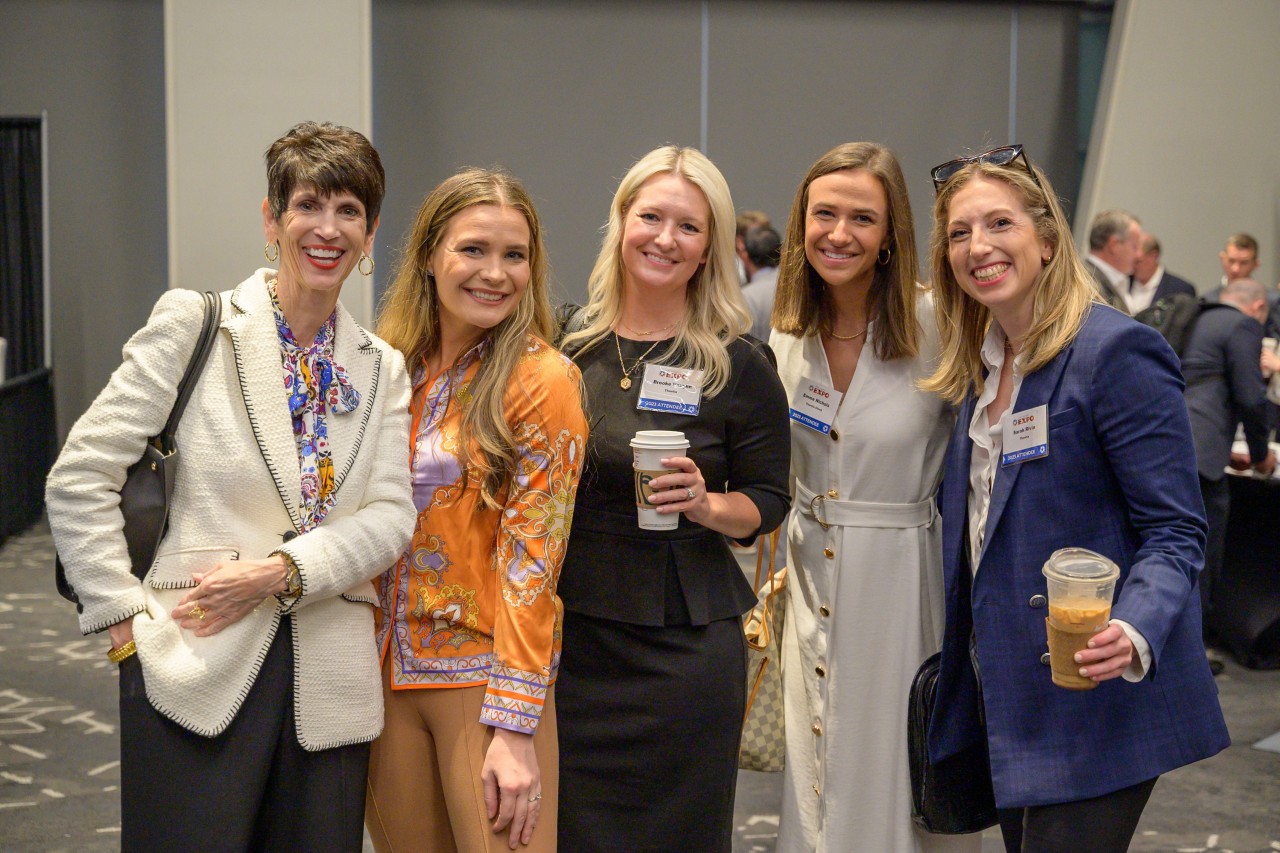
point(1062, 293)
point(803, 306)
point(409, 318)
point(715, 313)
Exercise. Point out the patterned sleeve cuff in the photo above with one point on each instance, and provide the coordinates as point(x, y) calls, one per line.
point(514, 699)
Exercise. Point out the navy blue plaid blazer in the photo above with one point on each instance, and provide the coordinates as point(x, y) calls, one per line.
point(1119, 479)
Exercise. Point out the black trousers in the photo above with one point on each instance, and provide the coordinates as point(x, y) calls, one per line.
point(1102, 824)
point(253, 787)
point(1217, 504)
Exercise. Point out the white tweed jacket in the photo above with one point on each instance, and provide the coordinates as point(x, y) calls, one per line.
point(237, 493)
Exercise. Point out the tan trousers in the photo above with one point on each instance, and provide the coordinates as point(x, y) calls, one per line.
point(425, 792)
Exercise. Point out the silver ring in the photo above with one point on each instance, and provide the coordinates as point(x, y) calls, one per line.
point(535, 797)
point(689, 491)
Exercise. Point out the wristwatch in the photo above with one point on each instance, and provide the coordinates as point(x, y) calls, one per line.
point(292, 578)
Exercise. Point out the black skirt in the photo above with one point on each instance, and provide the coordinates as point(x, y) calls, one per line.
point(650, 719)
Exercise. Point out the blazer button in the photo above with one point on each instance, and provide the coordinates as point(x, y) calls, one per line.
point(817, 728)
point(824, 610)
point(829, 553)
point(1044, 658)
point(822, 673)
point(835, 435)
point(1038, 601)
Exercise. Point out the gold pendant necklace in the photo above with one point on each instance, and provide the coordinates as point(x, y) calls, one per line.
point(625, 382)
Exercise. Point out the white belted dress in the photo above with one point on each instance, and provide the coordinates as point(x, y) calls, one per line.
point(865, 598)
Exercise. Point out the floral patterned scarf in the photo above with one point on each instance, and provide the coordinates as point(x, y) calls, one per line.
point(316, 385)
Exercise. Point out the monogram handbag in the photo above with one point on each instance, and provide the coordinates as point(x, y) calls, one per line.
point(148, 485)
point(763, 736)
point(953, 796)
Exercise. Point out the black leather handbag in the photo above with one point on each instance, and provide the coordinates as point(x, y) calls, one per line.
point(953, 796)
point(148, 485)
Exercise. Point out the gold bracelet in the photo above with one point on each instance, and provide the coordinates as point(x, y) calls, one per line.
point(126, 651)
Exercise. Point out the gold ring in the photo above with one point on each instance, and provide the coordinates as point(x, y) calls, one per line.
point(197, 612)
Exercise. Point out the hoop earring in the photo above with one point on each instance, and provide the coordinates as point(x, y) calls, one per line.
point(266, 252)
point(360, 265)
point(882, 258)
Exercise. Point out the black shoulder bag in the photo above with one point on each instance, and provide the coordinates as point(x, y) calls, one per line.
point(148, 486)
point(953, 796)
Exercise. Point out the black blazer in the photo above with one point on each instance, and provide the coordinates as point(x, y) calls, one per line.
point(1224, 387)
point(1170, 285)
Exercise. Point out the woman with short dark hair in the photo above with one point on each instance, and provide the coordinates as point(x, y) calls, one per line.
point(248, 674)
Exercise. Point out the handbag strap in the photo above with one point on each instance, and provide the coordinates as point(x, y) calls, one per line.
point(771, 541)
point(204, 345)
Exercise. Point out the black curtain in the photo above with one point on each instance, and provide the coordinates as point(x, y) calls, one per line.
point(21, 241)
point(27, 432)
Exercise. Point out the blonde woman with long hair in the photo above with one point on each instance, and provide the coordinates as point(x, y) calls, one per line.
point(469, 621)
point(652, 689)
point(854, 333)
point(1072, 432)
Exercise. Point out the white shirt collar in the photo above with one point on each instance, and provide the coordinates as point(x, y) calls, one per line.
point(1119, 281)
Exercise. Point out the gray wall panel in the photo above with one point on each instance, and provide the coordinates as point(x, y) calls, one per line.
point(930, 80)
point(568, 95)
point(565, 95)
point(97, 66)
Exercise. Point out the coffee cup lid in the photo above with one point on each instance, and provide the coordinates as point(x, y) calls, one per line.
point(659, 439)
point(1080, 564)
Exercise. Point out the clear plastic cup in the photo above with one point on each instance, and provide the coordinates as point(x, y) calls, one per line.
point(1081, 585)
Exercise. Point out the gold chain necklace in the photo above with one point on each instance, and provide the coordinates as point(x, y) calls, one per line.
point(640, 334)
point(832, 333)
point(625, 382)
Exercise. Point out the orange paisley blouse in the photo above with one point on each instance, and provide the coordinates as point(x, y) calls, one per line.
point(472, 600)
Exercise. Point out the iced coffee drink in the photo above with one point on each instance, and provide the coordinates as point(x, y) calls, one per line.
point(1080, 585)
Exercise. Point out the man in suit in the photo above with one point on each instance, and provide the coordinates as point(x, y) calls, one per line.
point(1225, 388)
point(1114, 238)
point(760, 251)
point(1151, 282)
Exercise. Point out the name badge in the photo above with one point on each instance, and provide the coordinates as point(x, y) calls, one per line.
point(670, 389)
point(814, 405)
point(1026, 436)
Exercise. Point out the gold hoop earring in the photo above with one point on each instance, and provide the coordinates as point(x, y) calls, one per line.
point(884, 255)
point(360, 265)
point(266, 252)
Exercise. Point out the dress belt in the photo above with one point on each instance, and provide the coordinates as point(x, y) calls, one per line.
point(830, 512)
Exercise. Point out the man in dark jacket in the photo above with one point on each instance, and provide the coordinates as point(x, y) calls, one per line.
point(1225, 387)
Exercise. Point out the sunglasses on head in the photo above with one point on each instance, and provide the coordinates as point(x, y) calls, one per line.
point(1002, 156)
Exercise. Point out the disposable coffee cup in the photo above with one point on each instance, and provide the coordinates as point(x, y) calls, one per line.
point(648, 449)
point(1081, 585)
